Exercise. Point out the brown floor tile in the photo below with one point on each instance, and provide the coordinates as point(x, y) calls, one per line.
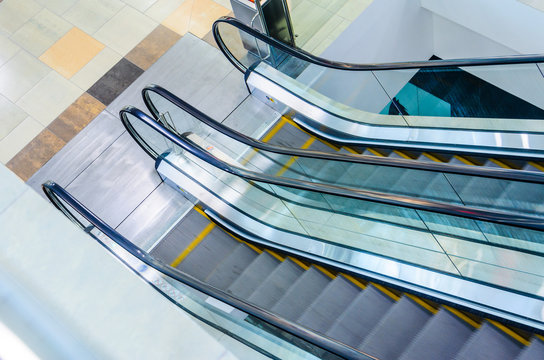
point(76, 117)
point(33, 156)
point(153, 47)
point(117, 79)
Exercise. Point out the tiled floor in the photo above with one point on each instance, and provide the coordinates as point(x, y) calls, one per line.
point(63, 61)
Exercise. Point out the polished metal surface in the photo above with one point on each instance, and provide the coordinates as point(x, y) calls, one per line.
point(523, 309)
point(65, 202)
point(356, 132)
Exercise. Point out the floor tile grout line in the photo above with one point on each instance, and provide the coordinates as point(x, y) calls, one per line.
point(96, 158)
point(62, 15)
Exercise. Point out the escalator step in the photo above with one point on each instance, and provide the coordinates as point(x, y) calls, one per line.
point(329, 305)
point(396, 330)
point(232, 267)
point(276, 284)
point(301, 294)
point(361, 316)
point(441, 338)
point(535, 351)
point(253, 275)
point(488, 342)
point(208, 254)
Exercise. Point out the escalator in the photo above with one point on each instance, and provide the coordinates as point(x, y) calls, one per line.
point(293, 302)
point(475, 107)
point(289, 215)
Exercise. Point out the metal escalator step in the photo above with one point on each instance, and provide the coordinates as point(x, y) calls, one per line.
point(301, 294)
point(276, 284)
point(441, 338)
point(328, 306)
point(253, 275)
point(232, 267)
point(360, 317)
point(530, 166)
point(535, 351)
point(208, 254)
point(488, 342)
point(396, 330)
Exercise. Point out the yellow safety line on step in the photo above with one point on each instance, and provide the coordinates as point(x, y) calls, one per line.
point(292, 160)
point(193, 244)
point(536, 165)
point(298, 262)
point(386, 291)
point(462, 316)
point(374, 152)
point(274, 129)
point(403, 155)
point(354, 280)
point(463, 160)
point(422, 303)
point(432, 157)
point(275, 255)
point(296, 126)
point(500, 163)
point(540, 337)
point(325, 271)
point(253, 247)
point(510, 332)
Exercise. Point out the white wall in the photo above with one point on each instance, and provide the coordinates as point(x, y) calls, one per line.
point(507, 22)
point(386, 31)
point(453, 41)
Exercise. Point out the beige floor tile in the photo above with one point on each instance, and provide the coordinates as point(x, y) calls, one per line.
point(195, 16)
point(20, 74)
point(59, 7)
point(41, 31)
point(95, 68)
point(162, 8)
point(14, 13)
point(7, 49)
point(12, 115)
point(353, 9)
point(16, 140)
point(50, 97)
point(140, 5)
point(90, 15)
point(125, 30)
point(72, 52)
point(204, 13)
point(180, 18)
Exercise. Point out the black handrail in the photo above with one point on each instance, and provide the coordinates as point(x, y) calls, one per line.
point(55, 193)
point(303, 55)
point(494, 216)
point(480, 171)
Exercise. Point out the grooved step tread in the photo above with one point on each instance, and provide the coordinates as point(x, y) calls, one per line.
point(208, 254)
point(253, 275)
point(488, 342)
point(301, 294)
point(361, 316)
point(232, 267)
point(391, 336)
point(535, 351)
point(329, 305)
point(276, 284)
point(441, 338)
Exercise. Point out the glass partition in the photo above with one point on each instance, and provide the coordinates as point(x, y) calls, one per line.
point(513, 196)
point(503, 256)
point(505, 97)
